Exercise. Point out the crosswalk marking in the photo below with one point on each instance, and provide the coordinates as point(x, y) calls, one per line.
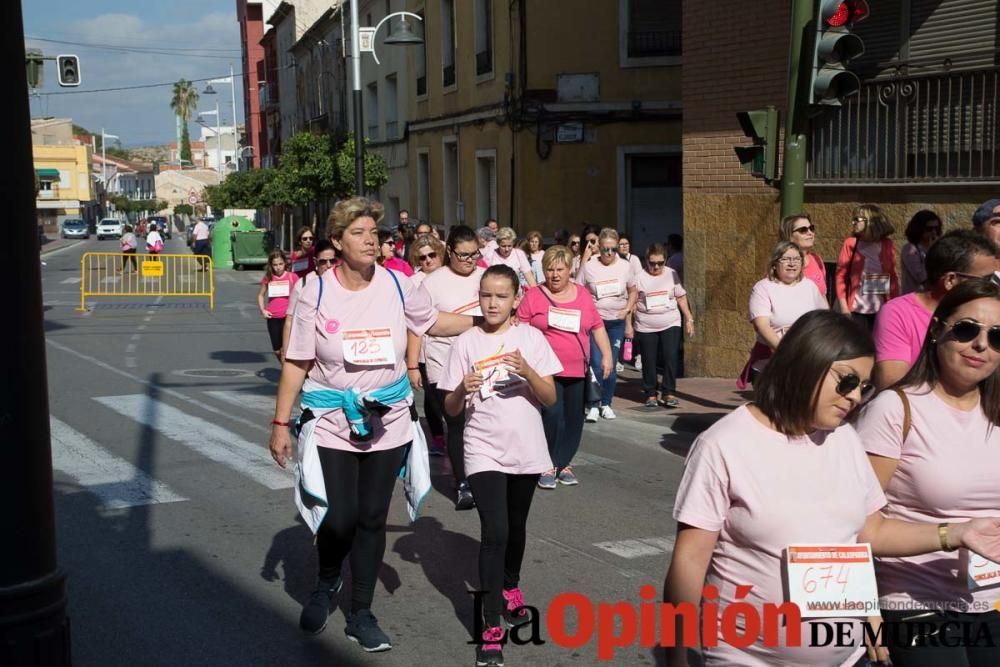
point(645, 546)
point(246, 400)
point(115, 481)
point(70, 281)
point(206, 438)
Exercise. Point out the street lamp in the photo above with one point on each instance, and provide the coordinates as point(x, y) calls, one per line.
point(402, 35)
point(231, 80)
point(218, 134)
point(104, 158)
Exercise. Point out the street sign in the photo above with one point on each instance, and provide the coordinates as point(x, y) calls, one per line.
point(193, 198)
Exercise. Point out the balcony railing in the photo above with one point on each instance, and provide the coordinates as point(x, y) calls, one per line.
point(268, 94)
point(654, 43)
point(48, 194)
point(934, 128)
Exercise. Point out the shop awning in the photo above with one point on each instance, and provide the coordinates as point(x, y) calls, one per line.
point(48, 174)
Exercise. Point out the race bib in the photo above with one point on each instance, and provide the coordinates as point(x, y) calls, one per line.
point(832, 580)
point(659, 300)
point(875, 283)
point(472, 309)
point(300, 265)
point(564, 319)
point(606, 288)
point(495, 374)
point(369, 347)
point(277, 289)
point(981, 572)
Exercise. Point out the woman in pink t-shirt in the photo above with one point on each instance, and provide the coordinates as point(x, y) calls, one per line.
point(387, 254)
point(349, 349)
point(303, 255)
point(501, 376)
point(800, 230)
point(941, 463)
point(611, 281)
point(657, 325)
point(786, 470)
point(506, 254)
point(866, 266)
point(566, 315)
point(272, 299)
point(776, 301)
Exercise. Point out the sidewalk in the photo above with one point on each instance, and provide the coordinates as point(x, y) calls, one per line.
point(58, 243)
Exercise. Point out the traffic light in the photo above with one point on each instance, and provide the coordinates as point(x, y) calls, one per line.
point(760, 159)
point(836, 45)
point(68, 70)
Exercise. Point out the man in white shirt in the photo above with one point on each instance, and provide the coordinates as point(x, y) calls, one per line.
point(202, 242)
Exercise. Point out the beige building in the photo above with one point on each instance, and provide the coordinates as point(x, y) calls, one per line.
point(184, 187)
point(548, 115)
point(62, 167)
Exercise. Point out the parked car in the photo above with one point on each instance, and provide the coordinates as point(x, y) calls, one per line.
point(75, 228)
point(162, 226)
point(111, 228)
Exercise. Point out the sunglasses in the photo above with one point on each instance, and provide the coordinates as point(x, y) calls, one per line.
point(306, 238)
point(858, 219)
point(804, 230)
point(608, 251)
point(325, 262)
point(467, 257)
point(591, 241)
point(430, 255)
point(966, 331)
point(574, 243)
point(652, 264)
point(848, 383)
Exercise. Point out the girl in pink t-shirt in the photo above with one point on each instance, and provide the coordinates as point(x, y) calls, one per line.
point(941, 463)
point(272, 299)
point(501, 376)
point(785, 470)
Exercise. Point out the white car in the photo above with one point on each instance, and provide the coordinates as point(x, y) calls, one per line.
point(110, 227)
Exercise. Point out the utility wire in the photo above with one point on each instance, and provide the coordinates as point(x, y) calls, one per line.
point(148, 85)
point(130, 47)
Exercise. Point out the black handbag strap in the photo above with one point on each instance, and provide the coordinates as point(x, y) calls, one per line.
point(586, 359)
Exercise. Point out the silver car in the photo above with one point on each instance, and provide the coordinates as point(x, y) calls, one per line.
point(75, 228)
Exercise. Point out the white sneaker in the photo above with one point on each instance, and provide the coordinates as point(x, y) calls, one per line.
point(620, 367)
point(638, 363)
point(607, 412)
point(592, 415)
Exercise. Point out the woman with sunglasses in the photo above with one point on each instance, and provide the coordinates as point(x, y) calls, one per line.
point(454, 288)
point(866, 266)
point(657, 325)
point(776, 302)
point(586, 249)
point(387, 254)
point(800, 230)
point(923, 229)
point(326, 259)
point(934, 443)
point(786, 470)
point(302, 257)
point(611, 281)
point(427, 256)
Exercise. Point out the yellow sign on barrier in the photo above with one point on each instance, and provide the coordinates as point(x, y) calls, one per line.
point(118, 274)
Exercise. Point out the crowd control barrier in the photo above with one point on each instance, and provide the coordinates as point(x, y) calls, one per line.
point(118, 274)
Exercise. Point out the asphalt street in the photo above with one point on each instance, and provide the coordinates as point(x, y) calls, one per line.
point(179, 536)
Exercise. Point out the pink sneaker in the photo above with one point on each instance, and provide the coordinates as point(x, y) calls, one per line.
point(437, 447)
point(514, 613)
point(490, 653)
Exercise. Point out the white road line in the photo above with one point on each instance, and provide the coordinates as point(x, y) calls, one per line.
point(136, 336)
point(568, 548)
point(115, 481)
point(246, 400)
point(51, 253)
point(163, 390)
point(202, 436)
point(638, 548)
point(70, 281)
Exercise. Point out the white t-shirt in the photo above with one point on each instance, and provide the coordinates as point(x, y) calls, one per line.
point(608, 284)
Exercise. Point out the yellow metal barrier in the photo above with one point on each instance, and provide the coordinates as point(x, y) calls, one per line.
point(128, 274)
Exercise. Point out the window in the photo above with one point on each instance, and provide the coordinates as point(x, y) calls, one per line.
point(486, 185)
point(652, 28)
point(423, 184)
point(484, 37)
point(421, 66)
point(447, 43)
point(452, 205)
point(371, 111)
point(391, 112)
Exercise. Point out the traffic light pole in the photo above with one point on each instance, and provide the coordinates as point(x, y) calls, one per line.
point(33, 627)
point(793, 173)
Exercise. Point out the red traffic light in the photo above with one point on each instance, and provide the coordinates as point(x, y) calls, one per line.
point(849, 11)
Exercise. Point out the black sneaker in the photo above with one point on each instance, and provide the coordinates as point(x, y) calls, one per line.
point(362, 627)
point(489, 653)
point(322, 601)
point(464, 500)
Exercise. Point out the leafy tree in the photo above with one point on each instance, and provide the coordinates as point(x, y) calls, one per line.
point(184, 209)
point(241, 189)
point(184, 103)
point(306, 171)
point(376, 170)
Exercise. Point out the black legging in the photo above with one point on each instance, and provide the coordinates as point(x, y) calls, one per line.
point(129, 257)
point(660, 347)
point(939, 630)
point(359, 488)
point(432, 410)
point(503, 502)
point(456, 434)
point(563, 421)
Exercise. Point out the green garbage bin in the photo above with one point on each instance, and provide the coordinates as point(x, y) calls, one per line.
point(250, 248)
point(222, 247)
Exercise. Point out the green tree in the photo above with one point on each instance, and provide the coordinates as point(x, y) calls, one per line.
point(376, 170)
point(183, 104)
point(184, 209)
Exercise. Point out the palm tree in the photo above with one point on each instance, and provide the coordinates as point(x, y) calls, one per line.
point(184, 103)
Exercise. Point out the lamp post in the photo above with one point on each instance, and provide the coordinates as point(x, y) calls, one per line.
point(231, 80)
point(104, 156)
point(218, 135)
point(401, 36)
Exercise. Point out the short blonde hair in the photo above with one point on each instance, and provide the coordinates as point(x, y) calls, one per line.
point(608, 233)
point(506, 234)
point(557, 253)
point(425, 241)
point(348, 210)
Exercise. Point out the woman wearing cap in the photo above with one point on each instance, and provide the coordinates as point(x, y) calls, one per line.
point(800, 230)
point(786, 470)
point(866, 266)
point(349, 360)
point(934, 443)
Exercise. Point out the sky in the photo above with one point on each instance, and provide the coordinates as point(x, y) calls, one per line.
point(198, 39)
